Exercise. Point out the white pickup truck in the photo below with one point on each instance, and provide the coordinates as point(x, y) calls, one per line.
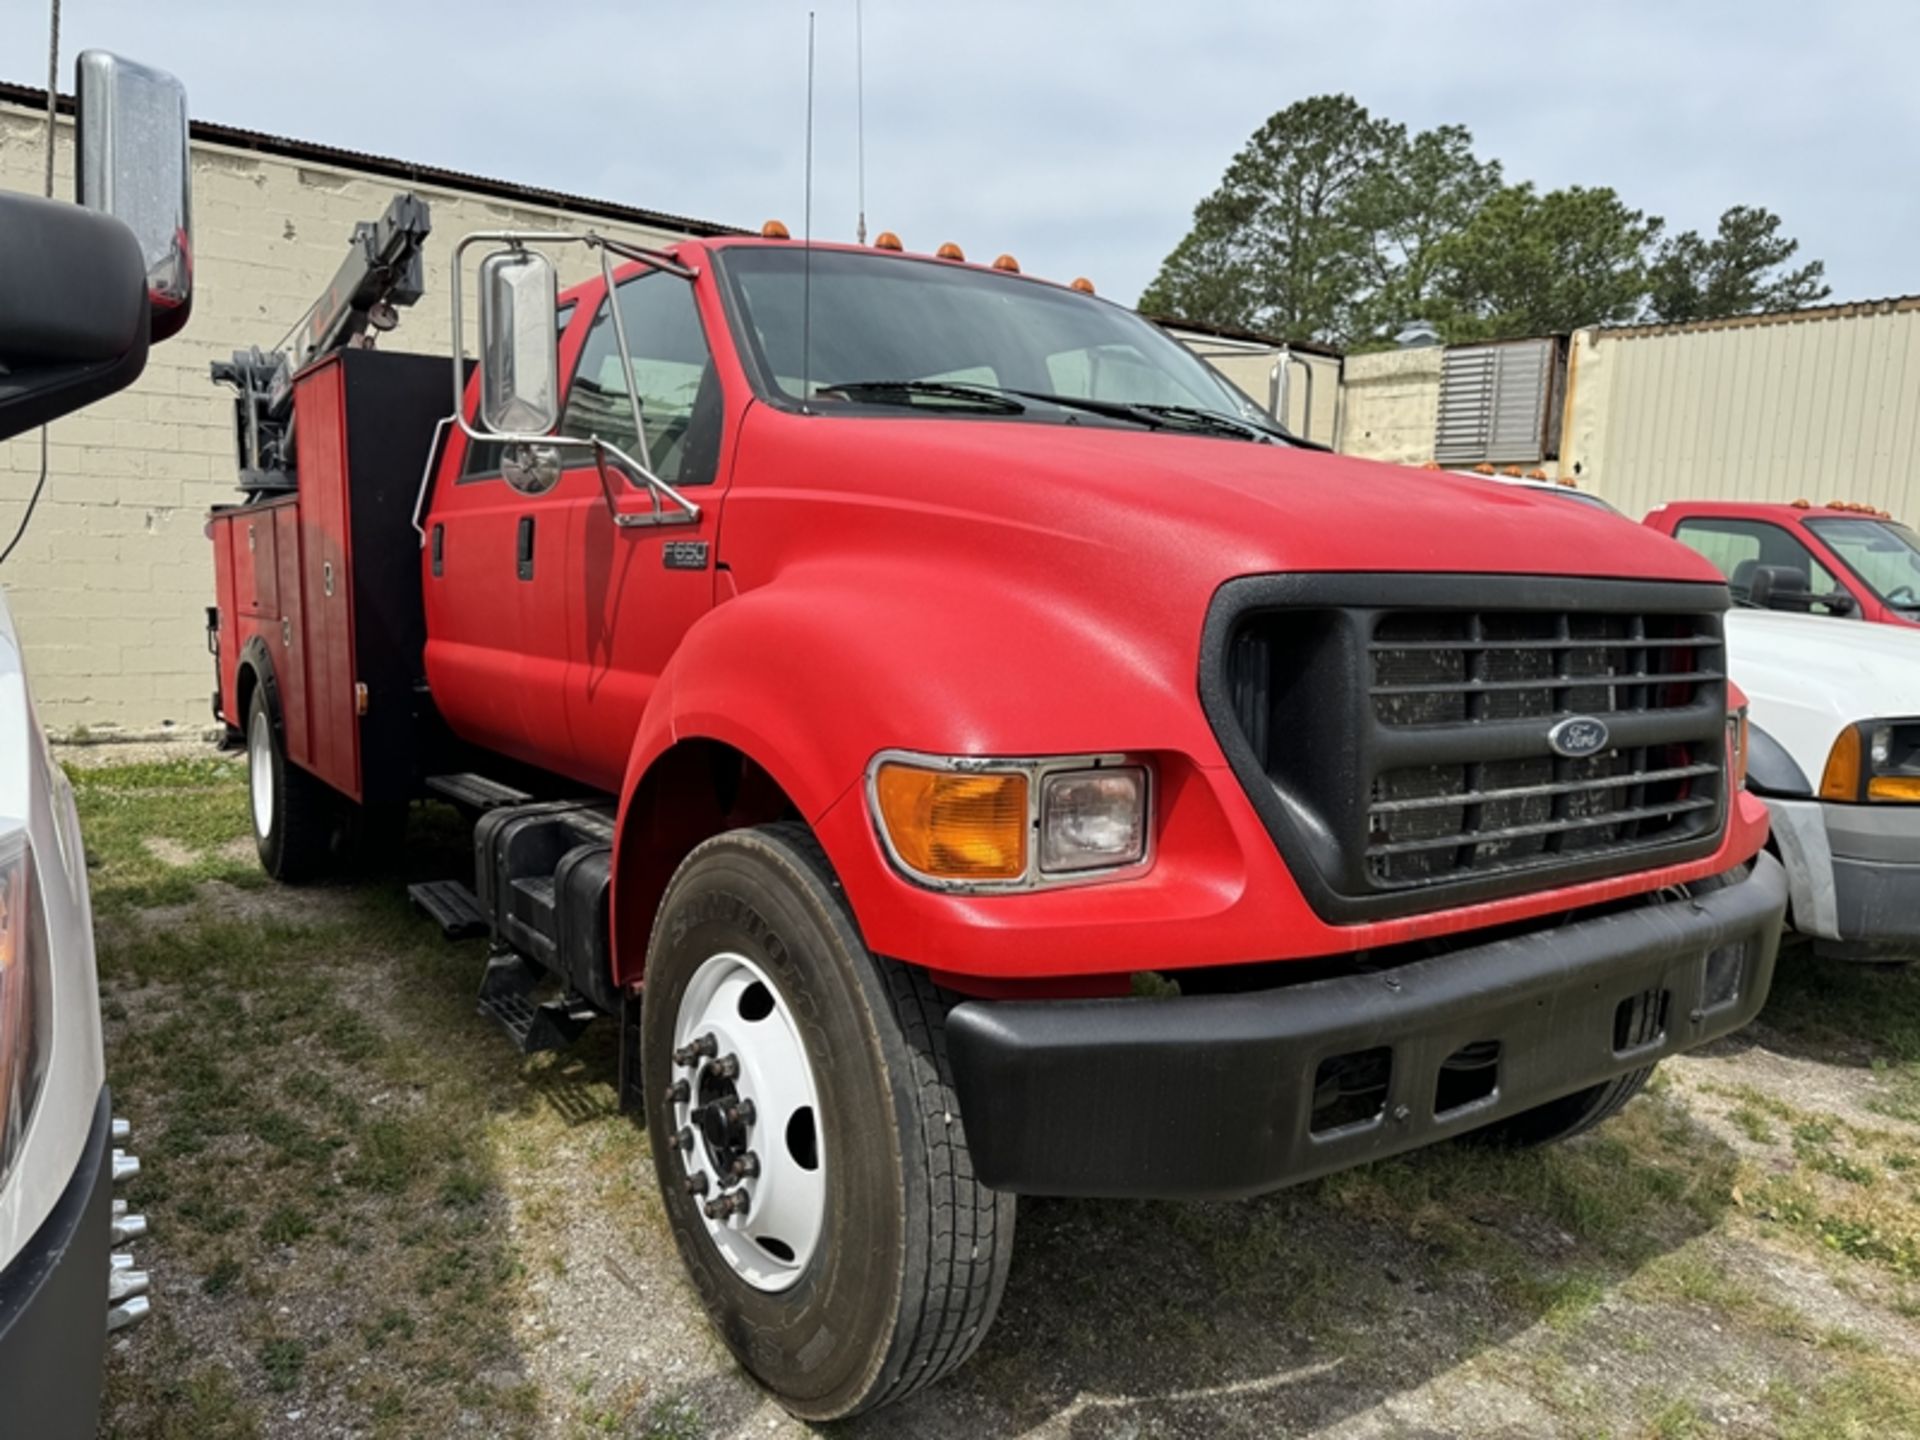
point(84, 290)
point(1835, 750)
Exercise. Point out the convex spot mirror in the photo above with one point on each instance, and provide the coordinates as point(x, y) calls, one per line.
point(519, 344)
point(134, 164)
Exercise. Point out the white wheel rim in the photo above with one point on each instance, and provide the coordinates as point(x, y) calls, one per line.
point(731, 1009)
point(260, 775)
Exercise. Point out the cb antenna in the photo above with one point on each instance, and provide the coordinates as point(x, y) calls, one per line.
point(860, 113)
point(806, 250)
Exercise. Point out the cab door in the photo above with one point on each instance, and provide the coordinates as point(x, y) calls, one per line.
point(634, 591)
point(494, 572)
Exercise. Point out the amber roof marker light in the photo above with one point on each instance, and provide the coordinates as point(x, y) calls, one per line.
point(775, 230)
point(887, 240)
point(1082, 284)
point(950, 251)
point(1007, 263)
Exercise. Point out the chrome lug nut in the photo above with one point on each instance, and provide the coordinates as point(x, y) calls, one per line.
point(125, 1285)
point(734, 1202)
point(128, 1227)
point(726, 1067)
point(679, 1092)
point(741, 1114)
point(122, 1130)
point(684, 1139)
point(125, 1166)
point(696, 1183)
point(128, 1313)
point(701, 1047)
point(746, 1167)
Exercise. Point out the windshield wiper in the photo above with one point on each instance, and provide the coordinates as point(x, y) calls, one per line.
point(1219, 422)
point(1008, 399)
point(904, 392)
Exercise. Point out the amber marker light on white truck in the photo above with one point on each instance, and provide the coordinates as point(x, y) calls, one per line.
point(1875, 761)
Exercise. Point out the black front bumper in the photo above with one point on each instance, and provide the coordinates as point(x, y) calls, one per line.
point(53, 1304)
point(1216, 1095)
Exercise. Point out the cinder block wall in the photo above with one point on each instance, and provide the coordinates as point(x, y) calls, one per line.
point(109, 588)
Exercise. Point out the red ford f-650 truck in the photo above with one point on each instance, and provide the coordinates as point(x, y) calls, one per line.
point(864, 667)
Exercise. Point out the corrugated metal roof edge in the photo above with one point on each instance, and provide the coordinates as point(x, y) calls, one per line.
point(34, 98)
point(1891, 305)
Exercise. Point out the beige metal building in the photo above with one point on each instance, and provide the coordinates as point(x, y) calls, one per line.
point(1820, 404)
point(110, 586)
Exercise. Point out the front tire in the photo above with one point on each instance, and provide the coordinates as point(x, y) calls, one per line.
point(889, 1258)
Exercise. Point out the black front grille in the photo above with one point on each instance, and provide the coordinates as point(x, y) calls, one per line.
point(1397, 733)
point(1447, 668)
point(1459, 668)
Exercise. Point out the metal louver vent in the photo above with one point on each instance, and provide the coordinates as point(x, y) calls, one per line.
point(1495, 403)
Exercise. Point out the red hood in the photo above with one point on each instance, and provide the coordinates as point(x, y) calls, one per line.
point(1226, 507)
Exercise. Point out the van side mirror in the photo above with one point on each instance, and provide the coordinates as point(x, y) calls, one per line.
point(1779, 587)
point(134, 164)
point(519, 343)
point(84, 291)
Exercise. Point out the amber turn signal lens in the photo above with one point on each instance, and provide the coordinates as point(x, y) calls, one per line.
point(1842, 778)
point(952, 825)
point(1904, 788)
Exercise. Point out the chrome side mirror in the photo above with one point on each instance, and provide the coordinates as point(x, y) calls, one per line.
point(519, 343)
point(134, 164)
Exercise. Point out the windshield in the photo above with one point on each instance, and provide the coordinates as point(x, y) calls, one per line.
point(1883, 553)
point(879, 320)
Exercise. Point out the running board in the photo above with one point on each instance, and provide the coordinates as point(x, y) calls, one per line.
point(451, 906)
point(506, 994)
point(475, 792)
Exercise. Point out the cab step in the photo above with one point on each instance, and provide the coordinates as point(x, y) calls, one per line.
point(507, 994)
point(451, 906)
point(476, 792)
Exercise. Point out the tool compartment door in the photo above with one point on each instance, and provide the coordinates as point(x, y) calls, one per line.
point(326, 596)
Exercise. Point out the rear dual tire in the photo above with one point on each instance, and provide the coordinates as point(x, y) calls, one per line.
point(304, 829)
point(900, 1282)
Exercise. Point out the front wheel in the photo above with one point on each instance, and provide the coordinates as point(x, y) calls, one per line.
point(806, 1135)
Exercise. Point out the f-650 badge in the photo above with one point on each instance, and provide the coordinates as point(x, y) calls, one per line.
point(1578, 736)
point(684, 554)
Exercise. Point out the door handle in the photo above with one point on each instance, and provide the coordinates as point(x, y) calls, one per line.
point(523, 549)
point(439, 549)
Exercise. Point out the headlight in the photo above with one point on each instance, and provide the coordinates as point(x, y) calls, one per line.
point(1093, 819)
point(1737, 740)
point(25, 998)
point(968, 823)
point(1876, 760)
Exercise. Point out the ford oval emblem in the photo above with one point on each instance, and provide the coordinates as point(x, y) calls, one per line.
point(1578, 736)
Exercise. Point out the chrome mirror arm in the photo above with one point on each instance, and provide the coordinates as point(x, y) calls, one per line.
point(687, 513)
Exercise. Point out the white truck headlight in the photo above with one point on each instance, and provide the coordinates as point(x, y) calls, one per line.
point(25, 998)
point(1093, 819)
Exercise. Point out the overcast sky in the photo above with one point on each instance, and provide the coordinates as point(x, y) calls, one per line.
point(1076, 135)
